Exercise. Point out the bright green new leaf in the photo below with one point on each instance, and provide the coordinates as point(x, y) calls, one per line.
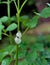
point(45, 12)
point(6, 61)
point(11, 27)
point(33, 22)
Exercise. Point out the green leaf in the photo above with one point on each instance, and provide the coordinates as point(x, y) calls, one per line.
point(4, 19)
point(41, 61)
point(13, 18)
point(1, 28)
point(24, 62)
point(31, 56)
point(44, 61)
point(22, 52)
point(46, 53)
point(24, 19)
point(31, 2)
point(6, 61)
point(33, 22)
point(2, 55)
point(10, 49)
point(7, 51)
point(38, 46)
point(11, 27)
point(0, 34)
point(45, 12)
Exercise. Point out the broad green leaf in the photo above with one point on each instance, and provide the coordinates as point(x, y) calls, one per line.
point(6, 61)
point(7, 51)
point(34, 63)
point(1, 28)
point(46, 53)
point(24, 19)
point(4, 19)
point(44, 61)
point(31, 56)
point(41, 61)
point(11, 27)
point(13, 18)
point(2, 55)
point(38, 46)
point(34, 55)
point(10, 49)
point(0, 34)
point(33, 22)
point(45, 12)
point(22, 52)
point(0, 22)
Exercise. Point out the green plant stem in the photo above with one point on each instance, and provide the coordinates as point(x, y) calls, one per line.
point(15, 5)
point(18, 16)
point(23, 5)
point(5, 34)
point(18, 4)
point(25, 31)
point(8, 6)
point(37, 13)
point(10, 37)
point(16, 54)
point(4, 31)
point(3, 2)
point(18, 19)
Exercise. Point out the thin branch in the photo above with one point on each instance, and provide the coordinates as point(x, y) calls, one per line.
point(5, 34)
point(15, 5)
point(25, 31)
point(10, 1)
point(23, 5)
point(3, 2)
